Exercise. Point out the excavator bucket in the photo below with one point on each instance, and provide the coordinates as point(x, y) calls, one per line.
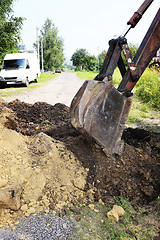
point(100, 110)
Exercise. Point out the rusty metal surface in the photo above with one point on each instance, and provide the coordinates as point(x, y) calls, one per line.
point(144, 55)
point(138, 14)
point(99, 110)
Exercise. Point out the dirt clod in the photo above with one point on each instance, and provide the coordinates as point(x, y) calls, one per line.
point(10, 197)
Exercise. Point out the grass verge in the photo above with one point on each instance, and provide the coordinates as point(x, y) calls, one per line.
point(86, 75)
point(11, 91)
point(137, 223)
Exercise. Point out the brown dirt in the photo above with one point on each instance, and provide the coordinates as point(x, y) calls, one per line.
point(135, 174)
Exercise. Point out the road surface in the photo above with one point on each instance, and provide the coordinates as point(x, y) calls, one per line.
point(61, 89)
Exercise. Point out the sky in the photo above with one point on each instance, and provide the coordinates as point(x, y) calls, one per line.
point(87, 24)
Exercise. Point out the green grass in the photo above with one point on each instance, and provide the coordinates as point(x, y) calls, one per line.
point(148, 88)
point(141, 109)
point(135, 224)
point(84, 75)
point(11, 91)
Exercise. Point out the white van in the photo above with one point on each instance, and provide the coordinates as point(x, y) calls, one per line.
point(19, 68)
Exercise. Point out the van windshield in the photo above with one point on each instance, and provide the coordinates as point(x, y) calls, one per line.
point(13, 64)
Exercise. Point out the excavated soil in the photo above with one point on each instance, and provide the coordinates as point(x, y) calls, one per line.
point(135, 174)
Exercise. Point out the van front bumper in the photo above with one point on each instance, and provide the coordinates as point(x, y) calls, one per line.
point(10, 80)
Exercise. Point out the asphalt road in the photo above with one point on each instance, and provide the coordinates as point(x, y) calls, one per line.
point(61, 89)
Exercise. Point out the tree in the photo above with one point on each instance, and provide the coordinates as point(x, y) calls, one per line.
point(83, 61)
point(133, 48)
point(101, 58)
point(53, 55)
point(79, 58)
point(10, 28)
point(91, 63)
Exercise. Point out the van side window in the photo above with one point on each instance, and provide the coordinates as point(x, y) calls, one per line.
point(27, 64)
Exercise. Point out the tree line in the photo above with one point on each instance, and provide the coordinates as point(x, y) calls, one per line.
point(82, 60)
point(10, 40)
point(49, 39)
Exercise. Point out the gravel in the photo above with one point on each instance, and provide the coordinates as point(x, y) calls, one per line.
point(39, 227)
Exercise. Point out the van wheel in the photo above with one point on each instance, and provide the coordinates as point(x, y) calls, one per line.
point(26, 83)
point(36, 80)
point(2, 85)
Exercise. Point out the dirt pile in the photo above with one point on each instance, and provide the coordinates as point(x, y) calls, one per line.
point(50, 175)
point(56, 165)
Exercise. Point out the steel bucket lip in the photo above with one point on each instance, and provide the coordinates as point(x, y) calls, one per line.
point(89, 114)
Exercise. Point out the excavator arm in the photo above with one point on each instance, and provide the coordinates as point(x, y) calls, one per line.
point(99, 109)
point(144, 55)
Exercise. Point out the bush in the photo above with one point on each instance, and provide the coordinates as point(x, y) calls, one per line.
point(77, 69)
point(148, 88)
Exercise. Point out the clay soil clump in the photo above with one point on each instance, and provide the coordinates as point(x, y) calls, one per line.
point(57, 166)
